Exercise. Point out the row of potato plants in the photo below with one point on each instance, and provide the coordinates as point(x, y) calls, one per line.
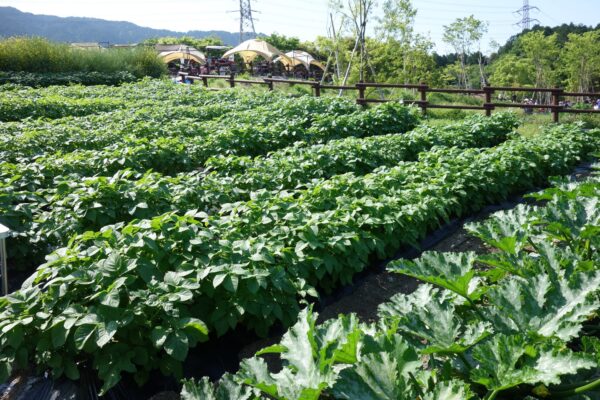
point(288, 167)
point(48, 217)
point(50, 107)
point(145, 88)
point(27, 140)
point(519, 322)
point(18, 103)
point(171, 155)
point(19, 79)
point(137, 296)
point(21, 103)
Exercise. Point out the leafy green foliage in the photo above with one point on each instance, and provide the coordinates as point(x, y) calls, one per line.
point(454, 272)
point(508, 361)
point(169, 260)
point(431, 317)
point(72, 78)
point(52, 215)
point(39, 55)
point(514, 340)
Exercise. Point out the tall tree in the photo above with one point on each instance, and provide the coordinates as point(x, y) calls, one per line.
point(396, 29)
point(198, 44)
point(581, 60)
point(358, 14)
point(397, 21)
point(511, 70)
point(282, 42)
point(462, 35)
point(542, 52)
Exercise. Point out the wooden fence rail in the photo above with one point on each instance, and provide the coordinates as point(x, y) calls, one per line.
point(487, 91)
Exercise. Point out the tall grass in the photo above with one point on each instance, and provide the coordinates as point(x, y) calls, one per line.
point(38, 55)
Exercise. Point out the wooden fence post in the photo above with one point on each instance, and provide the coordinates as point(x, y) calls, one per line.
point(205, 81)
point(317, 87)
point(361, 93)
point(423, 91)
point(269, 82)
point(556, 94)
point(232, 80)
point(488, 101)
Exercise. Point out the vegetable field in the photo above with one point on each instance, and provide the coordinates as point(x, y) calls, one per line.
point(151, 217)
point(514, 323)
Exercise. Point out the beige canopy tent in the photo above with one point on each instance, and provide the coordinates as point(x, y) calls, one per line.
point(299, 57)
point(170, 53)
point(250, 49)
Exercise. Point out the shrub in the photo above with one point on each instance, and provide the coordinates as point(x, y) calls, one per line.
point(40, 56)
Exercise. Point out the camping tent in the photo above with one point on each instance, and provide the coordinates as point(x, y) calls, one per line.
point(250, 49)
point(299, 57)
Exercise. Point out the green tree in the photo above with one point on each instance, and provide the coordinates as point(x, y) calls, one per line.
point(511, 70)
point(198, 44)
point(396, 33)
point(395, 64)
point(542, 52)
point(397, 22)
point(581, 60)
point(282, 42)
point(357, 13)
point(462, 35)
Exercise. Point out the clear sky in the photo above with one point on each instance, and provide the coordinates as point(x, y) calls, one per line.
point(307, 19)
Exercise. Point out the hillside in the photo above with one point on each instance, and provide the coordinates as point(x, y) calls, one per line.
point(77, 29)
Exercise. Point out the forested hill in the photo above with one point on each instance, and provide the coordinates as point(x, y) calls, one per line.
point(562, 33)
point(76, 29)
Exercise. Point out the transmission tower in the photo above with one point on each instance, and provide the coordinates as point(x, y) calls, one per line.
point(525, 22)
point(246, 21)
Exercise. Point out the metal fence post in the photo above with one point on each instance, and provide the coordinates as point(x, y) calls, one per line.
point(4, 233)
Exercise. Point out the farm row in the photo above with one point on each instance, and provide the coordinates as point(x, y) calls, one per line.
point(49, 216)
point(519, 322)
point(178, 216)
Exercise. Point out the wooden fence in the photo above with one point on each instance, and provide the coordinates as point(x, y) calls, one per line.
point(487, 92)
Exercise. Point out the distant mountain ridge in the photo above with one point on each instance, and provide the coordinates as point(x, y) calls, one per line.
point(78, 29)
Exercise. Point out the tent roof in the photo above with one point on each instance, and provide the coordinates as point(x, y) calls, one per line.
point(168, 56)
point(169, 53)
point(252, 48)
point(299, 57)
point(87, 45)
point(217, 47)
point(172, 47)
point(4, 232)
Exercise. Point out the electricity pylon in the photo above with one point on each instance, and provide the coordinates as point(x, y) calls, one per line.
point(246, 21)
point(525, 22)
